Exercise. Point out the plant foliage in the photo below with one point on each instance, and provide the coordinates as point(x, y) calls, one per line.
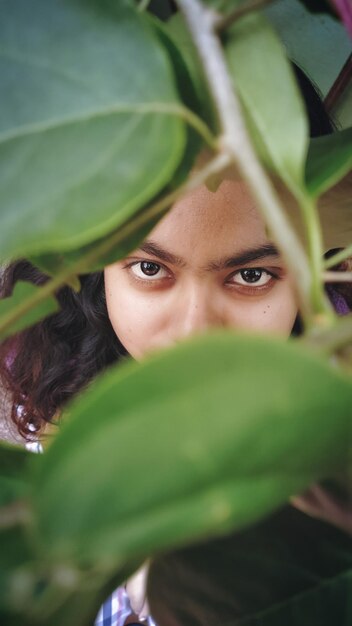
point(106, 110)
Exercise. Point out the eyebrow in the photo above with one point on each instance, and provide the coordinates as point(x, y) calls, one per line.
point(150, 247)
point(241, 258)
point(245, 256)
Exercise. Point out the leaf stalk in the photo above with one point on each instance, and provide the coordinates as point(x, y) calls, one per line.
point(337, 277)
point(338, 258)
point(315, 247)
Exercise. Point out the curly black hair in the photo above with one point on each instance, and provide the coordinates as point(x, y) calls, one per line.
point(45, 365)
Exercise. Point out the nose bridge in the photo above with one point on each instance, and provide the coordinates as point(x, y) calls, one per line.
point(197, 311)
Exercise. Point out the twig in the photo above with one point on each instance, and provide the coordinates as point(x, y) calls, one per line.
point(314, 235)
point(337, 277)
point(224, 21)
point(217, 164)
point(236, 142)
point(338, 258)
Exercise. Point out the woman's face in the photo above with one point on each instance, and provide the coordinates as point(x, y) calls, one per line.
point(207, 264)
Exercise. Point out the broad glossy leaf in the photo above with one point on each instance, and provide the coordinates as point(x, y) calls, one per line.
point(128, 239)
point(203, 439)
point(84, 143)
point(289, 569)
point(270, 97)
point(24, 292)
point(137, 228)
point(329, 159)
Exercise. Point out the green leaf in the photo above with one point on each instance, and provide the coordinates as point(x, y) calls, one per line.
point(270, 97)
point(169, 449)
point(289, 570)
point(329, 159)
point(90, 128)
point(10, 308)
point(138, 229)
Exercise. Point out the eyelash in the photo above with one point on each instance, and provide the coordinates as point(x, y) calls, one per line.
point(255, 284)
point(145, 277)
point(249, 287)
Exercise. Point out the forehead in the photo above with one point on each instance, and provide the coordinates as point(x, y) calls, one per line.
point(204, 223)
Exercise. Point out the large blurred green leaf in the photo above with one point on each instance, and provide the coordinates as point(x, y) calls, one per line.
point(83, 141)
point(270, 96)
point(23, 293)
point(329, 158)
point(197, 441)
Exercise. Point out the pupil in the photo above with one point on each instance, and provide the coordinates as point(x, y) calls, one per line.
point(149, 268)
point(251, 275)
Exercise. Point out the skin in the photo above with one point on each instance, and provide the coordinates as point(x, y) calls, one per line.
point(188, 276)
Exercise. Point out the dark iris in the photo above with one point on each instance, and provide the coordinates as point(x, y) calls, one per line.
point(149, 269)
point(251, 275)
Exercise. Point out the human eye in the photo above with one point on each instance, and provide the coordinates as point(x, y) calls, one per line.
point(147, 270)
point(251, 276)
point(253, 279)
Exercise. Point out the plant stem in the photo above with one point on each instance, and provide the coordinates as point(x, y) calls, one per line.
point(315, 247)
point(339, 257)
point(84, 264)
point(236, 143)
point(224, 21)
point(337, 277)
point(197, 123)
